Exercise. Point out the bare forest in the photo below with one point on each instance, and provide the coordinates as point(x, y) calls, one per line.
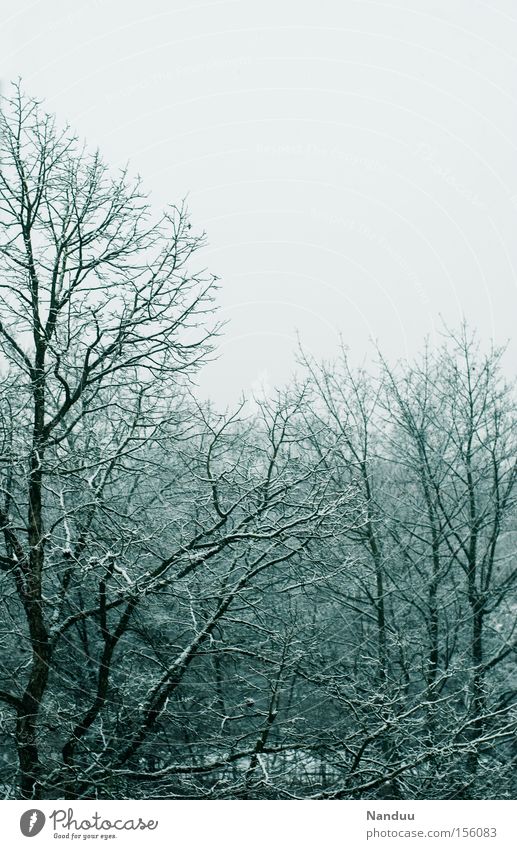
point(311, 596)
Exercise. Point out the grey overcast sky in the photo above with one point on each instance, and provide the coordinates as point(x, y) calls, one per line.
point(353, 162)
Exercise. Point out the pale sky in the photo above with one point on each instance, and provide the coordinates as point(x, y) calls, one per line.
point(352, 162)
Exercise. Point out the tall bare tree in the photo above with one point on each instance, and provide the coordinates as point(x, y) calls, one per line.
point(99, 311)
point(431, 450)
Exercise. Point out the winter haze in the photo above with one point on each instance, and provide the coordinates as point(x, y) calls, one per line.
point(353, 163)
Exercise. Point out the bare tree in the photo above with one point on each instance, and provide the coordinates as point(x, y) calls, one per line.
point(454, 437)
point(431, 450)
point(98, 313)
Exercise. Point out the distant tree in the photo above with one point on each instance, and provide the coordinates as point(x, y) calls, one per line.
point(428, 607)
point(454, 441)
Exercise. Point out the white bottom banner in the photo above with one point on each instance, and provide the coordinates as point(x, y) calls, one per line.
point(246, 824)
